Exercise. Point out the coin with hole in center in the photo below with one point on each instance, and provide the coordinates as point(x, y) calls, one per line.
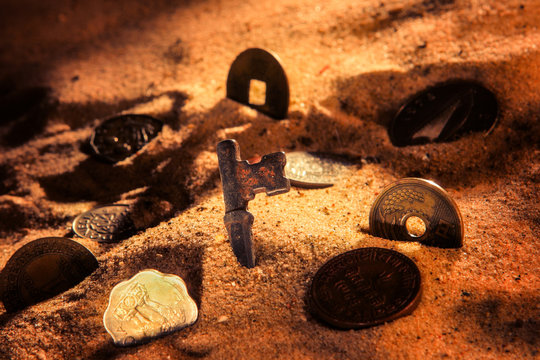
point(414, 209)
point(365, 287)
point(109, 223)
point(122, 136)
point(42, 269)
point(148, 305)
point(314, 170)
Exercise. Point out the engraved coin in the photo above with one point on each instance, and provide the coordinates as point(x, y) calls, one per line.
point(122, 136)
point(109, 223)
point(148, 305)
point(444, 112)
point(314, 170)
point(365, 287)
point(42, 269)
point(264, 66)
point(409, 200)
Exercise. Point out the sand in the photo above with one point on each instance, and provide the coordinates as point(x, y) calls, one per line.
point(350, 64)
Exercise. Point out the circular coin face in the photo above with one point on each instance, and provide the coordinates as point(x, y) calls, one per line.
point(443, 112)
point(313, 170)
point(408, 201)
point(120, 137)
point(264, 66)
point(109, 223)
point(42, 269)
point(365, 287)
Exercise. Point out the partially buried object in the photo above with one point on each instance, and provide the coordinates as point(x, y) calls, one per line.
point(42, 269)
point(264, 66)
point(109, 223)
point(314, 170)
point(122, 136)
point(410, 200)
point(444, 112)
point(241, 181)
point(148, 305)
point(365, 287)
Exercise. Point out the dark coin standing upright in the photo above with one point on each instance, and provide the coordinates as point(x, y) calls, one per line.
point(262, 65)
point(42, 269)
point(365, 287)
point(444, 112)
point(122, 136)
point(109, 223)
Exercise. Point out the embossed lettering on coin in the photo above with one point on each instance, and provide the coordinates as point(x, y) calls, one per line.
point(365, 287)
point(423, 201)
point(122, 136)
point(107, 223)
point(42, 269)
point(148, 305)
point(443, 112)
point(314, 170)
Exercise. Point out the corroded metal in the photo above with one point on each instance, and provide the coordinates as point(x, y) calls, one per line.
point(241, 181)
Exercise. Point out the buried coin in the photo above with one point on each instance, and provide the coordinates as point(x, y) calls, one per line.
point(443, 112)
point(122, 136)
point(259, 68)
point(365, 287)
point(148, 305)
point(42, 269)
point(314, 170)
point(109, 223)
point(413, 209)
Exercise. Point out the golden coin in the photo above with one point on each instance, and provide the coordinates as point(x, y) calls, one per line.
point(148, 305)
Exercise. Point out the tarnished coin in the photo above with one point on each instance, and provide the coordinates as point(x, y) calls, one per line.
point(122, 136)
point(365, 287)
point(148, 305)
point(264, 66)
point(109, 223)
point(314, 170)
point(414, 209)
point(42, 269)
point(443, 112)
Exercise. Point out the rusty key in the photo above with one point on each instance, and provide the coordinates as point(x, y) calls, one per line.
point(241, 181)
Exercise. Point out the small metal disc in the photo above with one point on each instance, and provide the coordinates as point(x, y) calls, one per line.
point(42, 269)
point(365, 287)
point(148, 305)
point(421, 200)
point(262, 65)
point(109, 223)
point(443, 112)
point(314, 170)
point(122, 136)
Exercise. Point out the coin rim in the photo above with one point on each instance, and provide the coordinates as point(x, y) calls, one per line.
point(413, 180)
point(322, 314)
point(76, 220)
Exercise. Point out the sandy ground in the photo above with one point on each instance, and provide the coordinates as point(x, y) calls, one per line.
point(350, 65)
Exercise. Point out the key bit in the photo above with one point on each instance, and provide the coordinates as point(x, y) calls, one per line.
point(241, 181)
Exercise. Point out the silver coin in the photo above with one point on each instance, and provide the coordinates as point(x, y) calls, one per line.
point(314, 170)
point(109, 223)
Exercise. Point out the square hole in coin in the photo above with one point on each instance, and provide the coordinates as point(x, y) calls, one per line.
point(257, 92)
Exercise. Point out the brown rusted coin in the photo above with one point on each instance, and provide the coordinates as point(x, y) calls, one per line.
point(122, 136)
point(414, 209)
point(258, 65)
point(109, 223)
point(365, 287)
point(42, 269)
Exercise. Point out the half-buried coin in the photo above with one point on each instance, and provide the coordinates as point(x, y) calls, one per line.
point(413, 209)
point(365, 287)
point(314, 170)
point(109, 223)
point(42, 269)
point(443, 112)
point(122, 136)
point(146, 306)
